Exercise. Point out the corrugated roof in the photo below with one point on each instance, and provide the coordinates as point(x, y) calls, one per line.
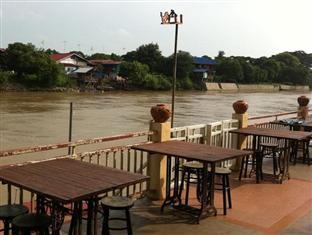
point(59, 56)
point(203, 60)
point(83, 70)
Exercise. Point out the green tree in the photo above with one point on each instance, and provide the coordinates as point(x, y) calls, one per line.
point(99, 56)
point(33, 67)
point(287, 59)
point(148, 54)
point(230, 70)
point(135, 72)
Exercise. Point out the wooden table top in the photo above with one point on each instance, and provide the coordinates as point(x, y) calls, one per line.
point(192, 151)
point(267, 132)
point(68, 180)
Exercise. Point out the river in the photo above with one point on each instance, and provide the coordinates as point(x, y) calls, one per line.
point(33, 118)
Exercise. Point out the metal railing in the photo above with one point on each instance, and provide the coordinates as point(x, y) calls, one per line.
point(119, 157)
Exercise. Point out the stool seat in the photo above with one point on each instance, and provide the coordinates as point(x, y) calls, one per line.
point(269, 145)
point(117, 202)
point(32, 222)
point(9, 212)
point(221, 171)
point(193, 164)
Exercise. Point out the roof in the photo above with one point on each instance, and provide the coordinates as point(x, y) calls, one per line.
point(200, 70)
point(83, 70)
point(203, 60)
point(59, 56)
point(109, 62)
point(2, 50)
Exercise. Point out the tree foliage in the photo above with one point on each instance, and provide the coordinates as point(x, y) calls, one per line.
point(32, 67)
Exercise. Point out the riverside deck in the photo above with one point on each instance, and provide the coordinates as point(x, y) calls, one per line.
point(264, 208)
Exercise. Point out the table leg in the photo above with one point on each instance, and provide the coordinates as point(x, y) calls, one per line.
point(176, 180)
point(207, 207)
point(90, 216)
point(57, 214)
point(167, 200)
point(74, 219)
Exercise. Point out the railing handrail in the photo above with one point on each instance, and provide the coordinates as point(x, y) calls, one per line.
point(274, 115)
point(40, 148)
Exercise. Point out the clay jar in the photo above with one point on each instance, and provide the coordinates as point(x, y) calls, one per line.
point(160, 113)
point(240, 106)
point(303, 100)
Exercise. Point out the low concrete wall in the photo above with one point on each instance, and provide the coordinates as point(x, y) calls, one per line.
point(228, 86)
point(212, 86)
point(258, 87)
point(294, 88)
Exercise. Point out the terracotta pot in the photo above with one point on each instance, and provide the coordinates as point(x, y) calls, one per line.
point(240, 106)
point(160, 113)
point(303, 100)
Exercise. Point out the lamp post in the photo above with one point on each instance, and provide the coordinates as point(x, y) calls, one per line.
point(167, 19)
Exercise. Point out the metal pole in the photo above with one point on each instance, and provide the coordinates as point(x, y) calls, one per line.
point(70, 125)
point(174, 79)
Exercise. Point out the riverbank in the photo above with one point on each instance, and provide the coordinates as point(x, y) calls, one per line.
point(213, 86)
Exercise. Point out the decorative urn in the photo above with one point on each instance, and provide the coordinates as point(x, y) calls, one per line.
point(240, 106)
point(303, 100)
point(160, 113)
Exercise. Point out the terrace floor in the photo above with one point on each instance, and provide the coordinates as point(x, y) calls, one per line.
point(265, 208)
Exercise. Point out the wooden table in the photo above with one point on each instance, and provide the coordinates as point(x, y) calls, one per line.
point(288, 135)
point(69, 181)
point(295, 124)
point(191, 151)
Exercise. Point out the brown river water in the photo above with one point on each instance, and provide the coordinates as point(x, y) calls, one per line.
point(34, 118)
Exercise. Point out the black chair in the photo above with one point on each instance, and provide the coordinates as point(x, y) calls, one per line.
point(9, 212)
point(245, 162)
point(25, 224)
point(116, 203)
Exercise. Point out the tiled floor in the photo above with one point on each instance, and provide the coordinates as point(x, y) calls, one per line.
point(265, 208)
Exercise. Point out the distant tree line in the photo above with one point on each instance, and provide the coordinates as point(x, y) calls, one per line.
point(147, 68)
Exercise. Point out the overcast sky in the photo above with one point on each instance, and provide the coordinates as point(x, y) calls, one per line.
point(237, 27)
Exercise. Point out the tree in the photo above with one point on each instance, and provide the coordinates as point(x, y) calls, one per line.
point(99, 56)
point(148, 54)
point(230, 70)
point(33, 67)
point(51, 51)
point(135, 72)
point(287, 58)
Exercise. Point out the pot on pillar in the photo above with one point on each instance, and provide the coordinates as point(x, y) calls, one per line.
point(240, 106)
point(160, 113)
point(303, 111)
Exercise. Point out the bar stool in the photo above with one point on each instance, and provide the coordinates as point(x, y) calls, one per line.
point(116, 203)
point(194, 167)
point(245, 161)
point(33, 222)
point(266, 150)
point(9, 212)
point(192, 170)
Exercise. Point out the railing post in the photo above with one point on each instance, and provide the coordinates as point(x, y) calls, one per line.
point(157, 164)
point(240, 108)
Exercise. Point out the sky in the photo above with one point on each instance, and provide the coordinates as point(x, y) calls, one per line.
point(238, 27)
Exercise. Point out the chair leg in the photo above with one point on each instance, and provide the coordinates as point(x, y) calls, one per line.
point(187, 187)
point(228, 191)
point(246, 166)
point(198, 186)
point(274, 162)
point(241, 168)
point(6, 227)
point(105, 227)
point(129, 226)
point(224, 194)
point(182, 184)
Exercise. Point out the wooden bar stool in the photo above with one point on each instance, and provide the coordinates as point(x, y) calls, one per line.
point(116, 203)
point(25, 224)
point(9, 212)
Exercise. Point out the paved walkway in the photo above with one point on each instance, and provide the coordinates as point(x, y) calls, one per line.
point(265, 208)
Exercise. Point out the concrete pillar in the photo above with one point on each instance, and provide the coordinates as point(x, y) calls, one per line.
point(240, 108)
point(157, 164)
